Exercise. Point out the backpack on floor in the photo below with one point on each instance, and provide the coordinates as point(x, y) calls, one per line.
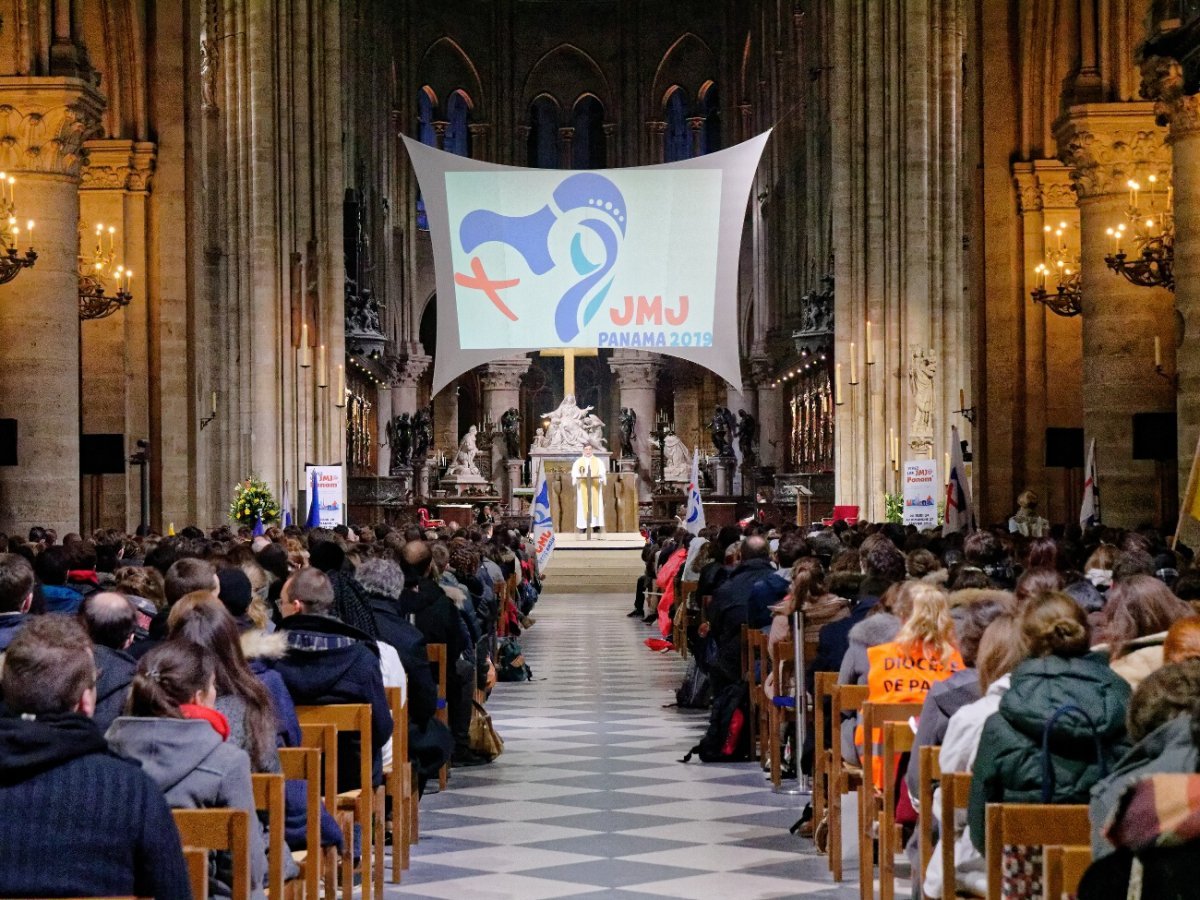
point(510, 662)
point(728, 737)
point(696, 691)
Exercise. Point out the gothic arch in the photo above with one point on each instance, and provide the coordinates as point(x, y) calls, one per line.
point(447, 69)
point(567, 74)
point(688, 63)
point(114, 33)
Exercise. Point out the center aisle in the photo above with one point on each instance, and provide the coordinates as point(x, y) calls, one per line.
point(589, 799)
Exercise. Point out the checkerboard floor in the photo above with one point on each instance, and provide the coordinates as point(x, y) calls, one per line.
point(589, 798)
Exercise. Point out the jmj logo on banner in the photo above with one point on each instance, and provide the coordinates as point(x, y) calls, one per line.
point(583, 259)
point(921, 492)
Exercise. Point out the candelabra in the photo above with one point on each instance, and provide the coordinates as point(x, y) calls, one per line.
point(1064, 298)
point(1152, 233)
point(95, 273)
point(12, 262)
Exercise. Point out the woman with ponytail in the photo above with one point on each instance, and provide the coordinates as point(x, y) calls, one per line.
point(1060, 727)
point(173, 729)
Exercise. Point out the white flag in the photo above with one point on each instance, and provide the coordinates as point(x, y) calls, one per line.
point(1089, 512)
point(693, 519)
point(958, 490)
point(543, 525)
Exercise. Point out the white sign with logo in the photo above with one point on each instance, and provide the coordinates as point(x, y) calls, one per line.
point(330, 487)
point(921, 492)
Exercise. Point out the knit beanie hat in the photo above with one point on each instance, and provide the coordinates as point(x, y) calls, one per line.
point(235, 591)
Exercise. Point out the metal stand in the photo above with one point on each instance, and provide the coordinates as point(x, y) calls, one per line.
point(803, 785)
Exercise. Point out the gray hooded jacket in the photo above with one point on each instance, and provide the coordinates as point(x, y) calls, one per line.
point(195, 769)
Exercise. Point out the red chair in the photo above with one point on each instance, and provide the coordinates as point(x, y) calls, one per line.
point(427, 522)
point(848, 514)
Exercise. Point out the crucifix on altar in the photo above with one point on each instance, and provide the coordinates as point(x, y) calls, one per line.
point(569, 355)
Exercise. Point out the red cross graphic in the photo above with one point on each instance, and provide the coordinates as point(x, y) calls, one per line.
point(491, 289)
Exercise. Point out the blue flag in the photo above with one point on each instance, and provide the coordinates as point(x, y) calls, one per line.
point(314, 504)
point(693, 519)
point(543, 525)
point(259, 528)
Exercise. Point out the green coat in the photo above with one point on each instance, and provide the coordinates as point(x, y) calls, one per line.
point(1008, 766)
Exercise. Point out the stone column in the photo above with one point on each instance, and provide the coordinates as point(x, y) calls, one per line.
point(772, 437)
point(480, 140)
point(1164, 80)
point(637, 375)
point(383, 414)
point(696, 124)
point(566, 142)
point(1107, 145)
point(42, 125)
point(445, 418)
point(406, 381)
point(502, 385)
point(654, 142)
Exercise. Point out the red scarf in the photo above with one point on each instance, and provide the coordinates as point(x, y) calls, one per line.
point(218, 721)
point(83, 576)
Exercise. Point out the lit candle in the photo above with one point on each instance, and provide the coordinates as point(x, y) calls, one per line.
point(12, 191)
point(946, 464)
point(853, 364)
point(341, 384)
point(29, 228)
point(962, 399)
point(1157, 353)
point(322, 368)
point(870, 348)
point(896, 452)
point(214, 403)
point(892, 444)
point(837, 384)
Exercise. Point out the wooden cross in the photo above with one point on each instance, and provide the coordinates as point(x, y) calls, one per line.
point(569, 354)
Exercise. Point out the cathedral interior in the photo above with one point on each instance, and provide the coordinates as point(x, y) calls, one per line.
point(234, 274)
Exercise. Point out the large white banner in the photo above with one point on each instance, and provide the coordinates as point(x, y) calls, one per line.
point(329, 484)
point(534, 259)
point(921, 492)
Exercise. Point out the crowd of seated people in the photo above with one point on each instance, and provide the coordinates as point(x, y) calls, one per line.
point(1054, 670)
point(145, 674)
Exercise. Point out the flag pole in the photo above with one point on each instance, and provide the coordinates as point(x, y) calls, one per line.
point(1187, 496)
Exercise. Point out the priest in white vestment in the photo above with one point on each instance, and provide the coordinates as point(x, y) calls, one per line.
point(583, 467)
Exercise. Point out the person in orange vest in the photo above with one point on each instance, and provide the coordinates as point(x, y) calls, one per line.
point(923, 653)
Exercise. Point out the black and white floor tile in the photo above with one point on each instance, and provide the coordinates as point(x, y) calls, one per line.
point(589, 798)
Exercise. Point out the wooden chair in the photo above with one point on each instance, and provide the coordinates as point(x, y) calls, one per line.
point(870, 806)
point(781, 709)
point(219, 829)
point(437, 656)
point(956, 795)
point(1064, 868)
point(268, 798)
point(323, 739)
point(843, 778)
point(898, 738)
point(1030, 825)
point(197, 866)
point(398, 780)
point(304, 764)
point(756, 669)
point(823, 685)
point(362, 801)
point(929, 771)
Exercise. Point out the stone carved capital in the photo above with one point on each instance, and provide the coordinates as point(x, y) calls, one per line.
point(634, 370)
point(1106, 144)
point(44, 123)
point(763, 370)
point(1163, 82)
point(118, 165)
point(504, 374)
point(406, 371)
point(1029, 192)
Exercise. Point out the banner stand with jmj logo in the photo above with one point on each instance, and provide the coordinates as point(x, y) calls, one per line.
point(921, 492)
point(329, 485)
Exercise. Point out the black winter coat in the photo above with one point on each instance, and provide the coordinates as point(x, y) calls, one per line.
point(727, 614)
point(116, 670)
point(438, 619)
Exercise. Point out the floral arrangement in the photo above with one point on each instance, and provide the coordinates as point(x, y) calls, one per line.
point(893, 507)
point(252, 500)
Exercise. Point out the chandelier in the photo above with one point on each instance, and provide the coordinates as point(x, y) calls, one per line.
point(1058, 281)
point(1151, 233)
point(11, 262)
point(96, 272)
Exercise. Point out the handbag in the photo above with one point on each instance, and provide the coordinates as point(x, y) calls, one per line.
point(484, 739)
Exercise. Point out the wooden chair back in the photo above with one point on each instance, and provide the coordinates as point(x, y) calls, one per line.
point(1064, 870)
point(304, 764)
point(1030, 825)
point(268, 798)
point(396, 777)
point(219, 829)
point(956, 795)
point(929, 772)
point(898, 737)
point(845, 698)
point(874, 717)
point(197, 867)
point(823, 684)
point(323, 738)
point(437, 656)
point(782, 707)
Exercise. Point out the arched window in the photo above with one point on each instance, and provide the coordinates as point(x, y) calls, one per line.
point(543, 133)
point(710, 138)
point(426, 103)
point(677, 139)
point(458, 132)
point(589, 150)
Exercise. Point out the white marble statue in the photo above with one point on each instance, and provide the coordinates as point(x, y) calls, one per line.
point(573, 428)
point(677, 459)
point(464, 459)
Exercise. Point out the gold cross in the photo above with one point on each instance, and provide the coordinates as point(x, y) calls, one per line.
point(569, 354)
